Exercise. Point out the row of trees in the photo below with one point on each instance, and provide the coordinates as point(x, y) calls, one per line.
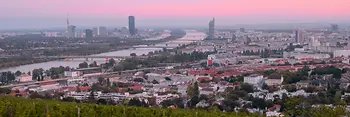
point(166, 57)
point(86, 65)
point(53, 72)
point(7, 77)
point(12, 62)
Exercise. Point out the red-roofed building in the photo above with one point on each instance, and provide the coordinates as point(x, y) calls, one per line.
point(275, 107)
point(122, 89)
point(22, 93)
point(281, 61)
point(203, 78)
point(202, 72)
point(136, 88)
point(72, 88)
point(48, 83)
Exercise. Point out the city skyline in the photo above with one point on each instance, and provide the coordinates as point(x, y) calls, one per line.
point(48, 14)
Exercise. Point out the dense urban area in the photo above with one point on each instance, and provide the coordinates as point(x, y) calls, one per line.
point(212, 72)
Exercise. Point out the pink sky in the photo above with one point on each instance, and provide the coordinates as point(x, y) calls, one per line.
point(180, 8)
point(168, 11)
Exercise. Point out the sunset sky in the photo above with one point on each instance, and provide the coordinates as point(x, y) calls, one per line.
point(52, 13)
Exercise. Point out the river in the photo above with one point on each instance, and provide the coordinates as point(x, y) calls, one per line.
point(191, 36)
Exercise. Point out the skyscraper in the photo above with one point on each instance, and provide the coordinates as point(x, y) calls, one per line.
point(242, 29)
point(95, 31)
point(132, 29)
point(88, 34)
point(102, 31)
point(71, 31)
point(234, 37)
point(334, 27)
point(211, 29)
point(299, 36)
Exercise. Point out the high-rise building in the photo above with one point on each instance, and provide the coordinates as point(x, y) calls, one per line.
point(248, 40)
point(242, 29)
point(88, 34)
point(71, 31)
point(234, 37)
point(299, 38)
point(211, 29)
point(102, 31)
point(132, 29)
point(95, 31)
point(334, 27)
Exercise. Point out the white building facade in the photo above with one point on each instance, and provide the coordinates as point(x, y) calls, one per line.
point(255, 79)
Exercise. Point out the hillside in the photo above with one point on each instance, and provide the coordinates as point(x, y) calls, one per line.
point(20, 107)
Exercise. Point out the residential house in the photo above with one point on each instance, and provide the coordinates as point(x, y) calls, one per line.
point(274, 114)
point(274, 79)
point(254, 79)
point(72, 73)
point(303, 84)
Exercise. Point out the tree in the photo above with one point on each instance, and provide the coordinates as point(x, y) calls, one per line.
point(220, 72)
point(336, 72)
point(203, 97)
point(83, 65)
point(292, 108)
point(138, 80)
point(193, 90)
point(203, 64)
point(247, 87)
point(100, 80)
point(155, 81)
point(305, 71)
point(269, 72)
point(258, 103)
point(68, 99)
point(102, 101)
point(5, 91)
point(94, 64)
point(272, 89)
point(337, 97)
point(135, 102)
point(47, 73)
point(310, 89)
point(164, 49)
point(18, 73)
point(193, 101)
point(78, 89)
point(38, 74)
point(290, 88)
point(108, 83)
point(178, 102)
point(133, 54)
point(111, 62)
point(167, 78)
point(92, 96)
point(35, 95)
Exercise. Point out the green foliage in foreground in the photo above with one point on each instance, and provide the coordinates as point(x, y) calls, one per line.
point(19, 107)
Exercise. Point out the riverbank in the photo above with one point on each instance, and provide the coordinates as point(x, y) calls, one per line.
point(14, 62)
